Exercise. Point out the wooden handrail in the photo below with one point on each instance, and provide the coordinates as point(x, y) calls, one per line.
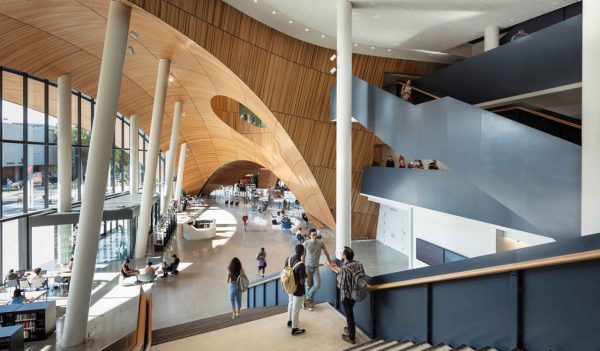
point(334, 268)
point(537, 113)
point(420, 91)
point(538, 263)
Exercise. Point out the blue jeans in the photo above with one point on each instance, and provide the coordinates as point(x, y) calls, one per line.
point(313, 282)
point(235, 295)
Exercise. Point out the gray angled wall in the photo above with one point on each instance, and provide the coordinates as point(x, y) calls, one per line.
point(524, 179)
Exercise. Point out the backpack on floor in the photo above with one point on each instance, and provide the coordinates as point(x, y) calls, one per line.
point(359, 285)
point(288, 281)
point(242, 283)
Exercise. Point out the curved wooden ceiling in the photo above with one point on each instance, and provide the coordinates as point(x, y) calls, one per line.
point(52, 38)
point(283, 80)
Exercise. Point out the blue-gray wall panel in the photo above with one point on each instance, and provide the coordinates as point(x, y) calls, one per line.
point(532, 176)
point(561, 307)
point(271, 293)
point(401, 313)
point(473, 312)
point(545, 59)
point(260, 295)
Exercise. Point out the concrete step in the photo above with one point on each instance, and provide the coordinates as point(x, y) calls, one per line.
point(401, 345)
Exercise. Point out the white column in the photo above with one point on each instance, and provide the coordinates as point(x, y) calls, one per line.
point(491, 38)
point(64, 143)
point(180, 168)
point(343, 173)
point(134, 155)
point(109, 86)
point(158, 110)
point(590, 127)
point(168, 189)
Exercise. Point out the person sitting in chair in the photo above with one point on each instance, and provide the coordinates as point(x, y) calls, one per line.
point(173, 266)
point(149, 269)
point(128, 272)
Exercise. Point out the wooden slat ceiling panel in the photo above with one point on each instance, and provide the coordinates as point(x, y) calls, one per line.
point(290, 78)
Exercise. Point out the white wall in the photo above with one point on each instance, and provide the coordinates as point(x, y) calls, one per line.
point(394, 229)
point(401, 223)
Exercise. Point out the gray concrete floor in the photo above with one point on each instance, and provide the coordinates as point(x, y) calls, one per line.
point(200, 290)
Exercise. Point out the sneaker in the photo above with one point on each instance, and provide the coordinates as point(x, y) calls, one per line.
point(304, 304)
point(311, 307)
point(289, 324)
point(297, 331)
point(347, 339)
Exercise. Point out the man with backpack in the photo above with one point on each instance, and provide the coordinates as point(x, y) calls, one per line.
point(352, 282)
point(292, 279)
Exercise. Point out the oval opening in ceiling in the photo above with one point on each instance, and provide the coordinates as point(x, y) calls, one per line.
point(237, 116)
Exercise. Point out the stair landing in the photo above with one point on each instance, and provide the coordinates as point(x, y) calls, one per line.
point(324, 327)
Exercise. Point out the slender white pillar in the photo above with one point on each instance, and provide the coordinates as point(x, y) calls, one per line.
point(109, 87)
point(168, 188)
point(134, 155)
point(590, 127)
point(180, 168)
point(158, 110)
point(491, 38)
point(343, 173)
point(64, 143)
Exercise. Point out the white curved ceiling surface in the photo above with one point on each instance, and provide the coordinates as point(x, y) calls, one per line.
point(410, 29)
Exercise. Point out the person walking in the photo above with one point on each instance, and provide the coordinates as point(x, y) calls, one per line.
point(345, 281)
point(297, 298)
point(261, 257)
point(313, 248)
point(234, 270)
point(245, 220)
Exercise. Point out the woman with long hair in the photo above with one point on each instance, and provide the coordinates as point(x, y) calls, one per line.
point(234, 270)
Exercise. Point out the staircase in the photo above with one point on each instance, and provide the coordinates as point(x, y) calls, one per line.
point(393, 345)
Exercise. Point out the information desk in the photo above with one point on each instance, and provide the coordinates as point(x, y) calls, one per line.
point(204, 229)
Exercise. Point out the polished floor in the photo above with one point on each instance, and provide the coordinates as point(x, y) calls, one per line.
point(200, 290)
point(324, 327)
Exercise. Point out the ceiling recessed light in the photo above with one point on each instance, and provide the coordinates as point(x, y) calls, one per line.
point(322, 35)
point(332, 71)
point(290, 21)
point(332, 57)
point(306, 29)
point(134, 34)
point(417, 38)
point(274, 12)
point(171, 79)
point(130, 50)
point(355, 45)
point(372, 48)
point(511, 19)
point(183, 114)
point(389, 50)
point(255, 0)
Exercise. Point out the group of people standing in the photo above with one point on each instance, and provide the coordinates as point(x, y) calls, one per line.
point(414, 164)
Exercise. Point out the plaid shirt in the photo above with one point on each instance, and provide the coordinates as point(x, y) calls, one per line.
point(344, 278)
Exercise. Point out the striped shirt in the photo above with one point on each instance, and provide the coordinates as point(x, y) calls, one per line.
point(344, 278)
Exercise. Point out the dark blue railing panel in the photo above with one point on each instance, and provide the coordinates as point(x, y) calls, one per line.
point(542, 60)
point(401, 314)
point(560, 307)
point(475, 312)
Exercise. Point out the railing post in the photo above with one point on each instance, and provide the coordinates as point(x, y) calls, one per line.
point(516, 309)
point(428, 286)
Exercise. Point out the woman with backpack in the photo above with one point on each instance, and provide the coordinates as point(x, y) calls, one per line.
point(234, 271)
point(261, 258)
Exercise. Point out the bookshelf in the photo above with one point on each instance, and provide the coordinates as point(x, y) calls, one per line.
point(38, 319)
point(11, 338)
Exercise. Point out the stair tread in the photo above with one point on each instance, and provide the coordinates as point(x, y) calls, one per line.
point(366, 344)
point(400, 346)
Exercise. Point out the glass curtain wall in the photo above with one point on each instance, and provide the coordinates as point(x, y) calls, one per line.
point(28, 151)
